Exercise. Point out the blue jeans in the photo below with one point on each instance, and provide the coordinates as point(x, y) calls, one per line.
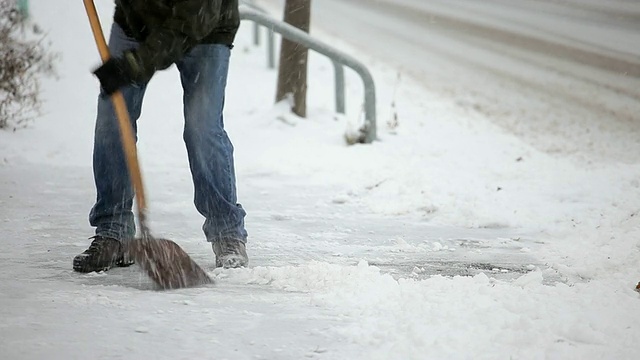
point(203, 73)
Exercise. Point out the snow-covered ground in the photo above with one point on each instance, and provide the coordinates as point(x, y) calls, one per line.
point(450, 238)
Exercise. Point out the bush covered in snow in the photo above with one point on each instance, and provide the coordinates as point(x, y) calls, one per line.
point(23, 58)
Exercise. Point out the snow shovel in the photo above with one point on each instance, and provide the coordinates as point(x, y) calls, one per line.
point(167, 264)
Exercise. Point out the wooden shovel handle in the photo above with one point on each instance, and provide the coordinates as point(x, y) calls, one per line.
point(126, 130)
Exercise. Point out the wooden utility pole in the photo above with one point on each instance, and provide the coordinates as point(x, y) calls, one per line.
point(292, 71)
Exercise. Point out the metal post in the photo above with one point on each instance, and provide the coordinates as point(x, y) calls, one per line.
point(271, 62)
point(23, 8)
point(340, 93)
point(271, 49)
point(256, 34)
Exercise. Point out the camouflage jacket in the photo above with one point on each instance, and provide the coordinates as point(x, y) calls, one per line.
point(167, 29)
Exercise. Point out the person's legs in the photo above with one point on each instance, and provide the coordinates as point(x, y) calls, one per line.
point(111, 215)
point(203, 73)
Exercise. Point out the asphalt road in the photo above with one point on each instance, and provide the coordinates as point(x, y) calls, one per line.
point(564, 75)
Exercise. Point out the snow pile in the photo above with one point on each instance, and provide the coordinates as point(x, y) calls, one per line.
point(446, 317)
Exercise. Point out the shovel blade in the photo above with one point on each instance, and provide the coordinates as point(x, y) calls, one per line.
point(166, 263)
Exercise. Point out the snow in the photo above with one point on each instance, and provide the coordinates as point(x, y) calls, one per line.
point(450, 238)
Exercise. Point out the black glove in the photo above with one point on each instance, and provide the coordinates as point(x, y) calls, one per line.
point(118, 72)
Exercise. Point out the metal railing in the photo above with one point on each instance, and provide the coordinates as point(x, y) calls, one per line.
point(251, 12)
point(271, 55)
point(340, 93)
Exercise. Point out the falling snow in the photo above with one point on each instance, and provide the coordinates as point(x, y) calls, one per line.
point(450, 238)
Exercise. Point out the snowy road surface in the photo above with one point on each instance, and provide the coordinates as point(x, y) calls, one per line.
point(544, 70)
point(496, 217)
